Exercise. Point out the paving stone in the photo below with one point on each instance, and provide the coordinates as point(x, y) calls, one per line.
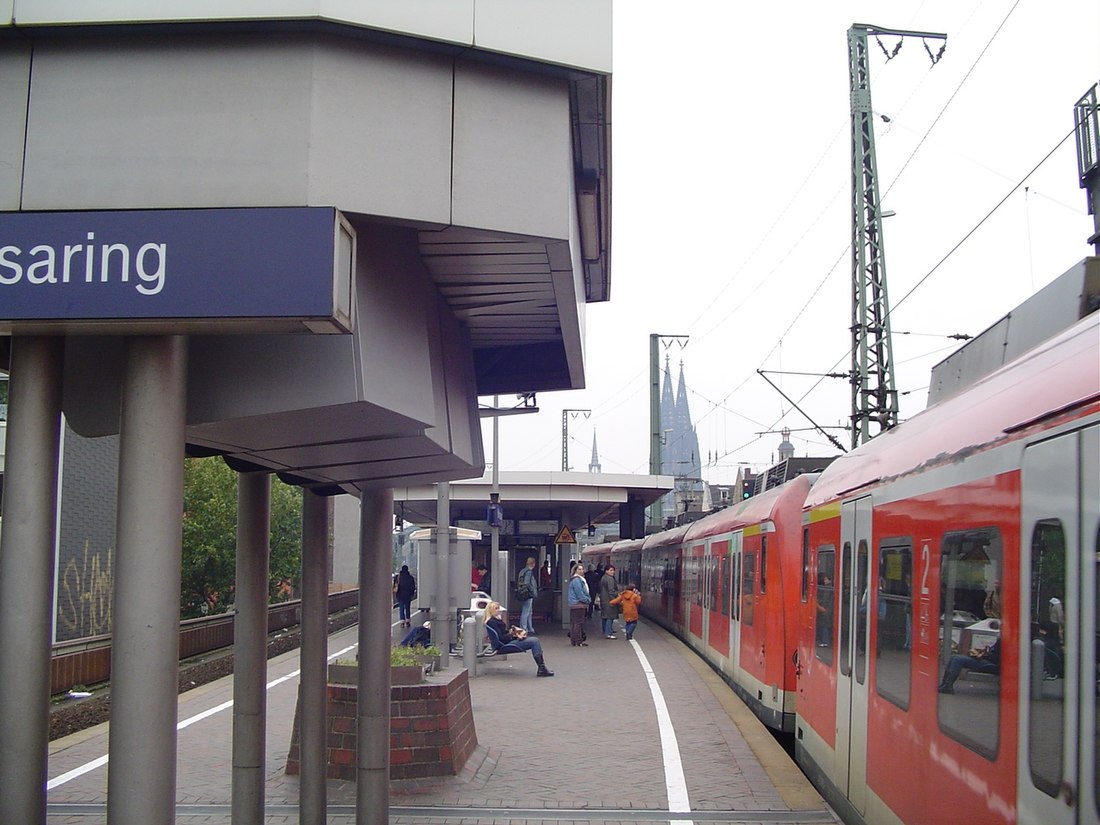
point(585, 740)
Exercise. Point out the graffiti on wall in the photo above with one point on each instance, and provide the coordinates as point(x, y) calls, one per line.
point(84, 595)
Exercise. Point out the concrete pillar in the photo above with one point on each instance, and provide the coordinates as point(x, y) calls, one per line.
point(27, 575)
point(564, 551)
point(313, 801)
point(141, 784)
point(250, 648)
point(372, 794)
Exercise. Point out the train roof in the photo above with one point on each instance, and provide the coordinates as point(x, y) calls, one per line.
point(666, 537)
point(752, 510)
point(1056, 377)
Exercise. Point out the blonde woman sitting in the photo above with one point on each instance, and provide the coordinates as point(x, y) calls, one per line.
point(512, 640)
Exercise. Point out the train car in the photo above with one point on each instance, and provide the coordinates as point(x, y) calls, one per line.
point(743, 573)
point(947, 655)
point(727, 585)
point(620, 553)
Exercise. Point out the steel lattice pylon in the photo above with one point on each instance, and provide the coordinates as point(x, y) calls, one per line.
point(874, 396)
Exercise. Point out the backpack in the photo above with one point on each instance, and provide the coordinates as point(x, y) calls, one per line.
point(523, 591)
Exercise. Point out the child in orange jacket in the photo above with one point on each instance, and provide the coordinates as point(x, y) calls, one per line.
point(628, 602)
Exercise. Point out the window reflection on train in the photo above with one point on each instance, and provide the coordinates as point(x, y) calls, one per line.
point(1046, 687)
point(894, 614)
point(970, 570)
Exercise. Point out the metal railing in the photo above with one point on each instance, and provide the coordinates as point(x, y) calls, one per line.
point(87, 661)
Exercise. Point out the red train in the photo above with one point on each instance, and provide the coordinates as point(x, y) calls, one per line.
point(923, 615)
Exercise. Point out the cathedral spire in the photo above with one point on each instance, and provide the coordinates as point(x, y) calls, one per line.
point(594, 465)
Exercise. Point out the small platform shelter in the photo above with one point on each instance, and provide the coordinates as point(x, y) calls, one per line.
point(537, 508)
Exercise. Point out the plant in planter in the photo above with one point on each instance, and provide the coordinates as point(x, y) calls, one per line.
point(428, 656)
point(405, 666)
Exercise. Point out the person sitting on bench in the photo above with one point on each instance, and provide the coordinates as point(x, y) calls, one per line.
point(513, 640)
point(418, 636)
point(979, 661)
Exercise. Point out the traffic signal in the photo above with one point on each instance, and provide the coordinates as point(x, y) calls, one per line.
point(746, 490)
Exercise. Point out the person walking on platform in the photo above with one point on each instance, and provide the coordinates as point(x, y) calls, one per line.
point(512, 640)
point(527, 587)
point(404, 591)
point(628, 601)
point(579, 601)
point(609, 589)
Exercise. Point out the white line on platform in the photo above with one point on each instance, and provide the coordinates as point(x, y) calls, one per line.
point(675, 783)
point(99, 762)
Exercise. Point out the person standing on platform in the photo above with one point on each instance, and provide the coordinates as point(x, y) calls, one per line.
point(546, 582)
point(609, 589)
point(579, 602)
point(527, 585)
point(404, 590)
point(592, 578)
point(628, 601)
point(486, 580)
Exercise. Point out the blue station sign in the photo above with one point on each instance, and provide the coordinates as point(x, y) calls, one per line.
point(275, 265)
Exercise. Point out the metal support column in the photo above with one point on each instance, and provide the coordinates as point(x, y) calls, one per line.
point(372, 793)
point(250, 648)
point(656, 516)
point(494, 498)
point(312, 690)
point(141, 783)
point(27, 574)
point(443, 613)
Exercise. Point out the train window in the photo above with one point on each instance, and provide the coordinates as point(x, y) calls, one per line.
point(748, 587)
point(825, 601)
point(1096, 654)
point(735, 583)
point(845, 585)
point(723, 573)
point(893, 620)
point(763, 564)
point(805, 564)
point(715, 584)
point(1046, 711)
point(969, 704)
point(861, 616)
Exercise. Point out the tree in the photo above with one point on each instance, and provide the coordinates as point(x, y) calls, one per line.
point(210, 537)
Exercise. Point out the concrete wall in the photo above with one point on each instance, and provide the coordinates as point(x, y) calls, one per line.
point(275, 119)
point(575, 33)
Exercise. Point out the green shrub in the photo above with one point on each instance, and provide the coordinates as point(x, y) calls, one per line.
point(403, 657)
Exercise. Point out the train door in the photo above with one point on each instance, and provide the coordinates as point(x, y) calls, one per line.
point(707, 575)
point(735, 601)
point(851, 712)
point(718, 634)
point(697, 594)
point(1058, 762)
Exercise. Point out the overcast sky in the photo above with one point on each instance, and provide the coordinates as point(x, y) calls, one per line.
point(731, 213)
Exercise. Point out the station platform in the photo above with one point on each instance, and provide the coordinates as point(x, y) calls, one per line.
point(625, 732)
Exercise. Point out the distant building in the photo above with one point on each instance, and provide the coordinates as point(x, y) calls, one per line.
point(594, 464)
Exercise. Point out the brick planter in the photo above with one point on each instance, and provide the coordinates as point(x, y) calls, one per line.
point(431, 729)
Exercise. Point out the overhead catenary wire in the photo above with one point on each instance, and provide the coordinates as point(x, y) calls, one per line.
point(619, 399)
point(904, 166)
